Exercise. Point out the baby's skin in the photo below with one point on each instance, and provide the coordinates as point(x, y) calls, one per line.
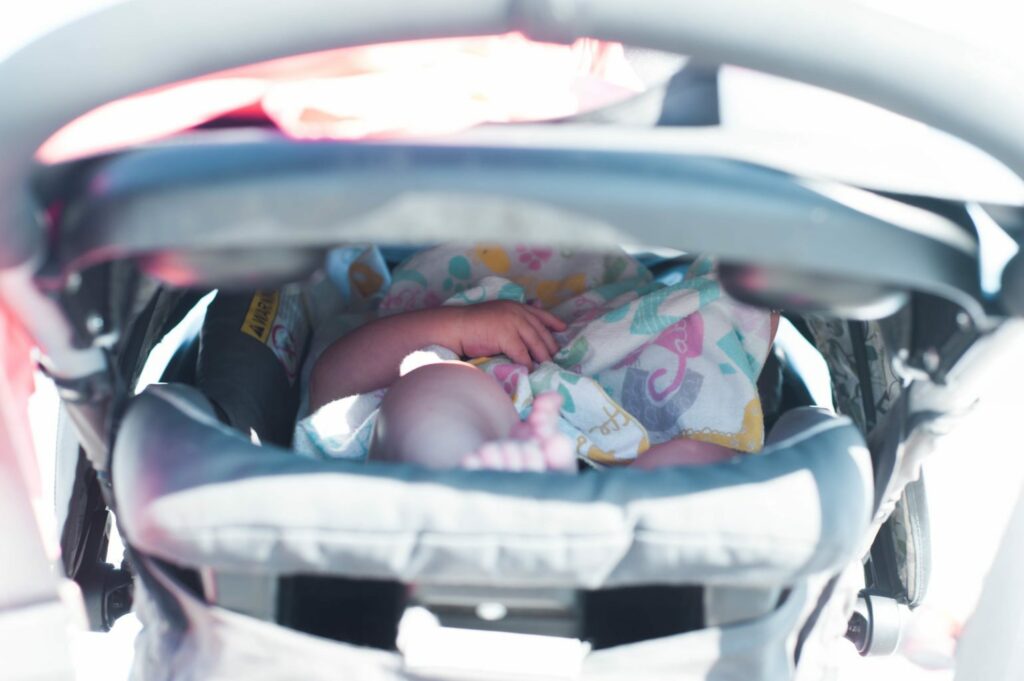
point(369, 358)
point(449, 414)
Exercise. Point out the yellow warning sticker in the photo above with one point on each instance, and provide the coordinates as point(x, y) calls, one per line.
point(261, 314)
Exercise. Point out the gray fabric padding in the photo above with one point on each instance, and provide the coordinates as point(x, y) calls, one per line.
point(214, 644)
point(62, 75)
point(537, 183)
point(727, 604)
point(195, 493)
point(754, 650)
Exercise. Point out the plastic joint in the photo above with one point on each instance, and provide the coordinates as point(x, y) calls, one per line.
point(876, 626)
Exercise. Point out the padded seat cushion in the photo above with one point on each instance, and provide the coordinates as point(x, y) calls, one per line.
point(196, 493)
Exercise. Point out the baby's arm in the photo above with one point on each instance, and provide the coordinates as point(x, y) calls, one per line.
point(369, 357)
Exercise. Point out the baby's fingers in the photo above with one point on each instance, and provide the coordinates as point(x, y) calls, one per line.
point(535, 343)
point(516, 350)
point(545, 335)
point(547, 319)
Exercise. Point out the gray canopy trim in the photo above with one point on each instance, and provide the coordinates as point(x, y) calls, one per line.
point(215, 643)
point(228, 198)
point(883, 60)
point(197, 494)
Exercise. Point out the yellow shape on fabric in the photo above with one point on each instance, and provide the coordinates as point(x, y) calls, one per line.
point(364, 279)
point(750, 437)
point(261, 315)
point(552, 292)
point(645, 444)
point(593, 452)
point(494, 257)
point(618, 419)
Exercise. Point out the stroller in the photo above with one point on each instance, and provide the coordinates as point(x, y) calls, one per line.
point(246, 560)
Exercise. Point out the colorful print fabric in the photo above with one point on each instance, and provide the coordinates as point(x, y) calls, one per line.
point(640, 363)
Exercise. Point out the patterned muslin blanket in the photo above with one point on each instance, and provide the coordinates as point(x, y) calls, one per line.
point(641, 362)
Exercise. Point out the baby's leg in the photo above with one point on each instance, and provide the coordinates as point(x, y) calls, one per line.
point(450, 414)
point(437, 414)
point(682, 452)
point(692, 452)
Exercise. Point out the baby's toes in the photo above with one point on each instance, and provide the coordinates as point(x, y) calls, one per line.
point(543, 418)
point(488, 457)
point(521, 431)
point(547, 403)
point(523, 456)
point(533, 457)
point(511, 458)
point(558, 453)
point(508, 455)
point(493, 456)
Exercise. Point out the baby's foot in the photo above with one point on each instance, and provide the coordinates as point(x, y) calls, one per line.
point(533, 445)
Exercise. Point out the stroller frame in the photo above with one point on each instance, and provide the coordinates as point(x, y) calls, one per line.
point(79, 295)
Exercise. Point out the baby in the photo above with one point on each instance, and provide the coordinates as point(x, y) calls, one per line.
point(444, 412)
point(448, 413)
point(570, 355)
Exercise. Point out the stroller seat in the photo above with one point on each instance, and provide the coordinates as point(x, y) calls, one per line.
point(196, 494)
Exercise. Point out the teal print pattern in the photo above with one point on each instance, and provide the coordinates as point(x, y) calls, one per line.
point(731, 345)
point(616, 315)
point(647, 321)
point(573, 355)
point(459, 269)
point(568, 405)
point(409, 275)
point(512, 292)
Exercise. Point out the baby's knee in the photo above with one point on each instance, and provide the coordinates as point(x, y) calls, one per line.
point(438, 413)
point(683, 452)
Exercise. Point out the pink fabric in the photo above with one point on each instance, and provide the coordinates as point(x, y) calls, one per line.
point(423, 87)
point(16, 385)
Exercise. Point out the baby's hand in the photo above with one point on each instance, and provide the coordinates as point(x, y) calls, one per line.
point(510, 328)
